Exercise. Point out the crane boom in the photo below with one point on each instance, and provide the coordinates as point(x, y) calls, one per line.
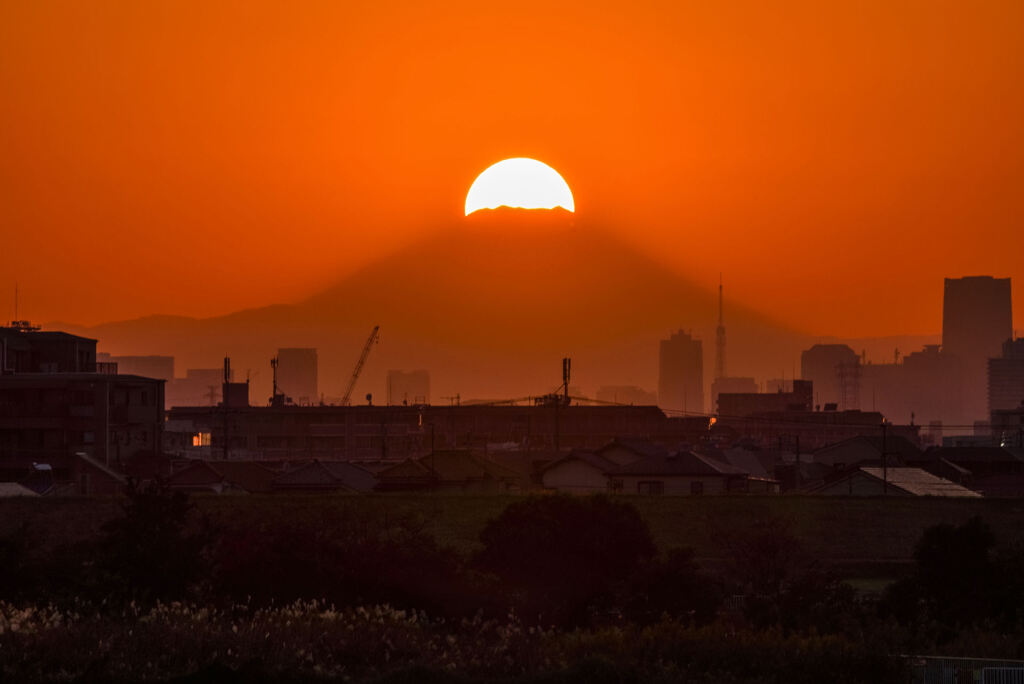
point(374, 337)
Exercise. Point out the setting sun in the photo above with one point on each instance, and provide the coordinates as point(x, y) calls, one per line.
point(519, 183)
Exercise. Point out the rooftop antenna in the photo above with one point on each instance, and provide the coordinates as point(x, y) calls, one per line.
point(566, 366)
point(273, 396)
point(16, 301)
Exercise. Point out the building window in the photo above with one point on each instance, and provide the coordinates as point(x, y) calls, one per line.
point(650, 487)
point(201, 439)
point(615, 485)
point(697, 487)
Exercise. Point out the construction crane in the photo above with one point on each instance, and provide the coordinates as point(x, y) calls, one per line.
point(370, 341)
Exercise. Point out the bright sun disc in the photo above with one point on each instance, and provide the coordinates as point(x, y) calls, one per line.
point(521, 183)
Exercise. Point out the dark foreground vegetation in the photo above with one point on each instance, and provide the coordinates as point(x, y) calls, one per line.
point(557, 589)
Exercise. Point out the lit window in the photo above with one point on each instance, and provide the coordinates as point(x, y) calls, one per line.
point(201, 439)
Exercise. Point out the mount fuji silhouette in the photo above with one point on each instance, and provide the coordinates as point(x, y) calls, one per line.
point(488, 307)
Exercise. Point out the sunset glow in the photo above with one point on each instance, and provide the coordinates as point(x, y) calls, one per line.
point(520, 183)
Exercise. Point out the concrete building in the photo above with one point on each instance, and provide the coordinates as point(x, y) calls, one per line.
point(408, 387)
point(1008, 426)
point(25, 348)
point(398, 432)
point(809, 430)
point(835, 371)
point(297, 375)
point(923, 387)
point(743, 404)
point(1006, 377)
point(977, 318)
point(159, 367)
point(199, 387)
point(56, 409)
point(727, 385)
point(681, 374)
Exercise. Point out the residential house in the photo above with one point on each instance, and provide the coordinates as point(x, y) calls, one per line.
point(326, 476)
point(867, 450)
point(578, 472)
point(898, 481)
point(453, 470)
point(679, 473)
point(223, 477)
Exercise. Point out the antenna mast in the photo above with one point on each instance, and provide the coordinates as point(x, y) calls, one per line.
point(720, 336)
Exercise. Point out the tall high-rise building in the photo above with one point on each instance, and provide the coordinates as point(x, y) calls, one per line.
point(977, 318)
point(297, 374)
point(681, 374)
point(408, 387)
point(835, 371)
point(1006, 377)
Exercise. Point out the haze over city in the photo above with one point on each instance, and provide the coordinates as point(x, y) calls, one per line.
point(530, 342)
point(835, 162)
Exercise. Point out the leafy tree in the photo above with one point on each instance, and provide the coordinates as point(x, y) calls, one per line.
point(150, 552)
point(957, 579)
point(349, 558)
point(782, 584)
point(561, 556)
point(674, 586)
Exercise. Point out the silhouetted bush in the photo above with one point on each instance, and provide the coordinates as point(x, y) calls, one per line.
point(674, 586)
point(348, 559)
point(561, 556)
point(783, 586)
point(151, 552)
point(958, 581)
point(15, 574)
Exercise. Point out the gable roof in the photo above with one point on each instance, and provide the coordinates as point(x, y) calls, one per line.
point(976, 454)
point(918, 482)
point(331, 475)
point(93, 463)
point(681, 463)
point(641, 447)
point(895, 445)
point(592, 459)
point(9, 489)
point(459, 465)
point(249, 476)
point(750, 460)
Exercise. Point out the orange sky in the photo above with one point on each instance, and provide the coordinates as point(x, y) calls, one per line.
point(199, 157)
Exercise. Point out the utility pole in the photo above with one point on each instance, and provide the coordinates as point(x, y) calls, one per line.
point(224, 403)
point(885, 460)
point(798, 462)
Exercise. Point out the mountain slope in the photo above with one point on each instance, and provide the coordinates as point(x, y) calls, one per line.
point(489, 307)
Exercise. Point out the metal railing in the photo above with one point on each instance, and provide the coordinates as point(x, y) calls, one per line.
point(942, 670)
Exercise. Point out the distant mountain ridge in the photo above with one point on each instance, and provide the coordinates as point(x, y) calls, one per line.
point(489, 307)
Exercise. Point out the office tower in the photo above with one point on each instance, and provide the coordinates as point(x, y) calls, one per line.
point(1006, 377)
point(977, 319)
point(835, 371)
point(681, 374)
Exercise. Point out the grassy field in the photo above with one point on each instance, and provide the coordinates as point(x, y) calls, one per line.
point(864, 537)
